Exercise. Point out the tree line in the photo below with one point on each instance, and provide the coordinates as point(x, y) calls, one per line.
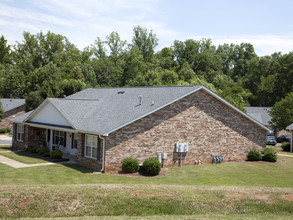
point(48, 65)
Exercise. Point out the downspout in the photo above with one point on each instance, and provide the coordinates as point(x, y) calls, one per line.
point(103, 158)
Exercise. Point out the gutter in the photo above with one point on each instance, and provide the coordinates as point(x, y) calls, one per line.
point(103, 158)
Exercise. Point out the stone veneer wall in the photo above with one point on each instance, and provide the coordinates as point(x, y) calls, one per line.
point(10, 114)
point(205, 123)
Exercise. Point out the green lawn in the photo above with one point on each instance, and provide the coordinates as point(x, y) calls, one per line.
point(21, 158)
point(225, 174)
point(142, 200)
point(231, 190)
point(5, 148)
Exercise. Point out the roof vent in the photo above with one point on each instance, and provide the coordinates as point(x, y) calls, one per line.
point(140, 100)
point(153, 102)
point(121, 92)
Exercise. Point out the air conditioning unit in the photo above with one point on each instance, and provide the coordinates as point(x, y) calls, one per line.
point(181, 147)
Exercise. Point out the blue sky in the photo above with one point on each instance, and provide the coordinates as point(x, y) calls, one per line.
point(268, 25)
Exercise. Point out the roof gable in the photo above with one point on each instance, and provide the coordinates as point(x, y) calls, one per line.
point(48, 114)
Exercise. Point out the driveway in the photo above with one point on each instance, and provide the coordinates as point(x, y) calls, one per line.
point(5, 140)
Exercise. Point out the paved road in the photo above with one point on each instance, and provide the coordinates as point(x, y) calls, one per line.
point(5, 140)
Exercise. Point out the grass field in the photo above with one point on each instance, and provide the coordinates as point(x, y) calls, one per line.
point(234, 190)
point(5, 148)
point(22, 158)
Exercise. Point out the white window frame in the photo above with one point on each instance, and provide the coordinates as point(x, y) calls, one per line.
point(91, 146)
point(20, 132)
point(58, 134)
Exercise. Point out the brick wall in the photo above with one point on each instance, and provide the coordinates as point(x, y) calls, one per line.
point(10, 114)
point(32, 135)
point(205, 123)
point(85, 161)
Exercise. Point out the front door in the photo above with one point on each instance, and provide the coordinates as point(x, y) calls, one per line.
point(71, 143)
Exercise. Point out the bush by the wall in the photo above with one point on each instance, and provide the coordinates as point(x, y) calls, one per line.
point(151, 166)
point(254, 155)
point(32, 148)
point(4, 130)
point(269, 155)
point(43, 151)
point(285, 146)
point(56, 154)
point(130, 165)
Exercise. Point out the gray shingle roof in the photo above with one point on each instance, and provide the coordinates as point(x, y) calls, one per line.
point(261, 114)
point(9, 104)
point(290, 127)
point(104, 110)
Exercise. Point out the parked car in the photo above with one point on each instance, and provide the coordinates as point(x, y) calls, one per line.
point(284, 138)
point(271, 140)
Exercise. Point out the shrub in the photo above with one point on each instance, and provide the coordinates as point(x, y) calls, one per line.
point(32, 148)
point(56, 154)
point(269, 155)
point(43, 151)
point(286, 146)
point(4, 130)
point(151, 166)
point(130, 165)
point(254, 155)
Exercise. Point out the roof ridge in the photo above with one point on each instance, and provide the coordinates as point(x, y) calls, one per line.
point(135, 87)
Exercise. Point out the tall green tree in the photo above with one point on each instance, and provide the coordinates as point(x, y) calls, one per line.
point(4, 51)
point(145, 41)
point(282, 113)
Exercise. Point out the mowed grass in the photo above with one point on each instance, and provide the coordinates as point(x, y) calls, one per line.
point(142, 200)
point(5, 148)
point(22, 158)
point(262, 174)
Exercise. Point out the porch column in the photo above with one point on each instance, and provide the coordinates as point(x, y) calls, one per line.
point(51, 139)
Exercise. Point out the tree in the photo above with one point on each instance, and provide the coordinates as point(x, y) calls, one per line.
point(146, 42)
point(4, 51)
point(1, 111)
point(282, 113)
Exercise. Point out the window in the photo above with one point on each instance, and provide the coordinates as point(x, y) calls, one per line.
point(91, 146)
point(59, 138)
point(20, 132)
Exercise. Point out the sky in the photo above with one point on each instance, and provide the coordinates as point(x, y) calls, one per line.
point(266, 24)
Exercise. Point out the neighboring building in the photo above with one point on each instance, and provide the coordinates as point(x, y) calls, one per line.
point(290, 128)
point(11, 108)
point(102, 126)
point(262, 115)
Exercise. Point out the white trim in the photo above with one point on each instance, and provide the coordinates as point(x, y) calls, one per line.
point(50, 127)
point(47, 100)
point(195, 90)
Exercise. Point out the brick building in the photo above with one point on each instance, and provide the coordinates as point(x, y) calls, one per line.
point(102, 126)
point(11, 108)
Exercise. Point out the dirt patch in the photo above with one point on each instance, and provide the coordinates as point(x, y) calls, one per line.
point(164, 172)
point(288, 197)
point(231, 196)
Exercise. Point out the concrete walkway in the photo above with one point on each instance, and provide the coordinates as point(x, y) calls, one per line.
point(5, 139)
point(16, 164)
point(285, 155)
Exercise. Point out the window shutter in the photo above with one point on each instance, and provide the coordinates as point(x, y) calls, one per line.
point(72, 140)
point(98, 148)
point(15, 131)
point(53, 137)
point(64, 142)
point(24, 133)
point(82, 144)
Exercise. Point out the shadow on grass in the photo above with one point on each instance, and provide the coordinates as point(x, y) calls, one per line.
point(79, 168)
point(5, 148)
point(37, 156)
